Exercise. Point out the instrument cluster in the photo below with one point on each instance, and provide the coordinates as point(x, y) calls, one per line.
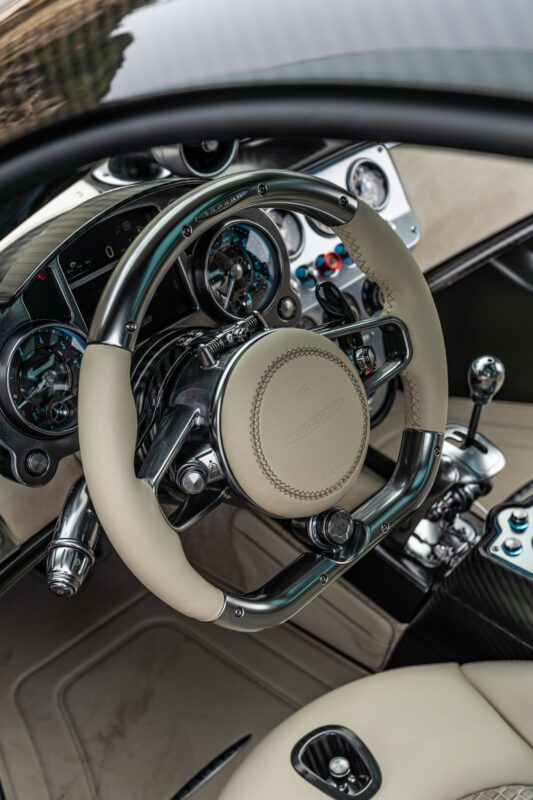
point(269, 261)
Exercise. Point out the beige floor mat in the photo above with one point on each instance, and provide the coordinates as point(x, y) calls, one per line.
point(244, 550)
point(112, 695)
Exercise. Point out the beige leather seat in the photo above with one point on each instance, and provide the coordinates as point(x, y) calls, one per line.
point(440, 732)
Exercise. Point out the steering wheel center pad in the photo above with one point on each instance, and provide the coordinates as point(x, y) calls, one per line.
point(294, 423)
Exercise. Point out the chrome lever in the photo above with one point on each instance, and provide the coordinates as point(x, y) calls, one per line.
point(71, 552)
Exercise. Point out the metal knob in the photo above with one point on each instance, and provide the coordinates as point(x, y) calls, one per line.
point(339, 767)
point(485, 379)
point(512, 546)
point(519, 519)
point(71, 552)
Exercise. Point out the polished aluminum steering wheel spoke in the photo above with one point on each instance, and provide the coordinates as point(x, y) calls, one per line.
point(169, 439)
point(397, 344)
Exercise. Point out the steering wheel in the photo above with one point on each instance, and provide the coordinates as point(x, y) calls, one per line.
point(284, 410)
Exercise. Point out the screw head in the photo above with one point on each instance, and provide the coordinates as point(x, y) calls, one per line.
point(323, 579)
point(286, 308)
point(131, 326)
point(385, 527)
point(437, 451)
point(187, 231)
point(262, 188)
point(239, 612)
point(343, 201)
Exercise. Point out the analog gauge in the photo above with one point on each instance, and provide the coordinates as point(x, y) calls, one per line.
point(368, 182)
point(243, 269)
point(319, 227)
point(291, 230)
point(42, 375)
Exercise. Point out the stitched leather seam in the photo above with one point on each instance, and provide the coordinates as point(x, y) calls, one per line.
point(266, 469)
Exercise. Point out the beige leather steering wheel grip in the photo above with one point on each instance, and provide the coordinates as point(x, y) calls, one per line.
point(127, 505)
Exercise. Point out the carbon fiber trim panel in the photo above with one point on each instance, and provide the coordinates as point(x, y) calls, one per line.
point(482, 611)
point(29, 254)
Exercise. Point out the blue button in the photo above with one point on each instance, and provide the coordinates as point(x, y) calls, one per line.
point(512, 547)
point(519, 520)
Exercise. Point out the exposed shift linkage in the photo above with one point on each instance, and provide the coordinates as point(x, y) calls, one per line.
point(469, 461)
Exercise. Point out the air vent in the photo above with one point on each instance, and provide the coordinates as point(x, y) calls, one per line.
point(336, 761)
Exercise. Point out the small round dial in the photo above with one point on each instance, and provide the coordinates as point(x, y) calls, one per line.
point(291, 230)
point(243, 269)
point(42, 377)
point(369, 183)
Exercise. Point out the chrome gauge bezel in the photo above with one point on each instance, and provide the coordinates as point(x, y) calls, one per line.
point(230, 224)
point(20, 336)
point(351, 186)
point(256, 218)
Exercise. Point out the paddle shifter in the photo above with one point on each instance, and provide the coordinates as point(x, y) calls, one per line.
point(485, 379)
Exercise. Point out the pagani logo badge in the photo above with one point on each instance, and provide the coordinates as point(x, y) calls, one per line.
point(222, 205)
point(316, 421)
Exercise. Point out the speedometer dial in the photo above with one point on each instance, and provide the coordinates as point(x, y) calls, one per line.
point(43, 375)
point(243, 269)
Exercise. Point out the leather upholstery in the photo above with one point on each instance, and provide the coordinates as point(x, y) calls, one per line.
point(294, 423)
point(433, 733)
point(516, 792)
point(380, 254)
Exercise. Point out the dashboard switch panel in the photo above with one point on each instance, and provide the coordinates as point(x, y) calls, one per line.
point(511, 541)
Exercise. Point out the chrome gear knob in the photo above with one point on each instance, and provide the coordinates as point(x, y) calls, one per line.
point(485, 378)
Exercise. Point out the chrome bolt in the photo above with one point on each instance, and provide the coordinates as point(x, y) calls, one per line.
point(323, 579)
point(365, 359)
point(343, 201)
point(286, 308)
point(239, 612)
point(437, 451)
point(131, 326)
point(187, 231)
point(262, 189)
point(385, 527)
point(192, 479)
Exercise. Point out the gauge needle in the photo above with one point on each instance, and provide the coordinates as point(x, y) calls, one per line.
point(34, 372)
point(229, 292)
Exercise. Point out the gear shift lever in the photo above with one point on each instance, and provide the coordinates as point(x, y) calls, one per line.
point(485, 379)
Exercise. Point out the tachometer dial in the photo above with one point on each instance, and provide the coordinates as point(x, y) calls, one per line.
point(291, 230)
point(369, 183)
point(243, 269)
point(42, 378)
